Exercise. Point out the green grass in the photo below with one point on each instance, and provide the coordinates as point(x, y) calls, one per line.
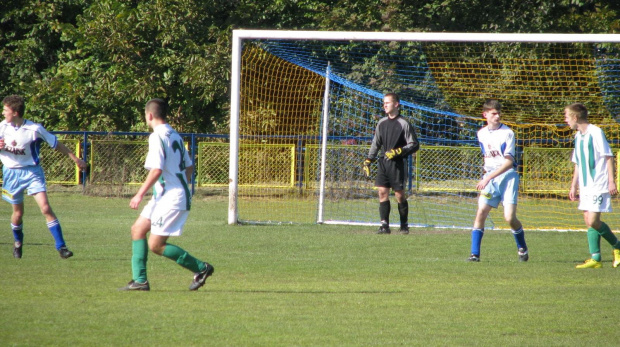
point(306, 285)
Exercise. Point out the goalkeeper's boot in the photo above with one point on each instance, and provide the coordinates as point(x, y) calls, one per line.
point(384, 229)
point(17, 251)
point(616, 261)
point(590, 264)
point(474, 258)
point(404, 229)
point(65, 252)
point(201, 277)
point(137, 286)
point(523, 254)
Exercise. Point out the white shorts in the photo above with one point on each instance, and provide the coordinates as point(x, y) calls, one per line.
point(164, 221)
point(595, 202)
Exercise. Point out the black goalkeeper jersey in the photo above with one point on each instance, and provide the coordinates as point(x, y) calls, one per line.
point(391, 134)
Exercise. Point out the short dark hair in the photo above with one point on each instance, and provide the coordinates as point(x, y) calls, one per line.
point(491, 104)
point(158, 107)
point(394, 97)
point(15, 103)
point(578, 110)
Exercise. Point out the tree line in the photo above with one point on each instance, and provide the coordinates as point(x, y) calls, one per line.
point(91, 65)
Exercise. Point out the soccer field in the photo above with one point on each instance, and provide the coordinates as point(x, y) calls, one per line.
point(298, 285)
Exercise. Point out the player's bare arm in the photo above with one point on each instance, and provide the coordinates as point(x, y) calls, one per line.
point(613, 190)
point(189, 171)
point(60, 147)
point(151, 179)
point(572, 194)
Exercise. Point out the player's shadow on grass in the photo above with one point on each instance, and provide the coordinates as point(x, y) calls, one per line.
point(28, 244)
point(205, 289)
point(259, 291)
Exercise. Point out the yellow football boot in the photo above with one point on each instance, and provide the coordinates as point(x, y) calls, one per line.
point(616, 262)
point(590, 264)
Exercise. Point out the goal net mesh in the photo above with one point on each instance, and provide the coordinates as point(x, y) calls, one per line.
point(442, 86)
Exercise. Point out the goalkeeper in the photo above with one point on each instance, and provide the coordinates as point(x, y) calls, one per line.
point(394, 141)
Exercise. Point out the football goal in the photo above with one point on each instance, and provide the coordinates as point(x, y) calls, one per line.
point(304, 106)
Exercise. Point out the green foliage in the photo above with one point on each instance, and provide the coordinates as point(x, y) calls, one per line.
point(91, 65)
point(115, 55)
point(30, 40)
point(126, 54)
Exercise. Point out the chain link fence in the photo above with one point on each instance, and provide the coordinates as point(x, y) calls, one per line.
point(116, 166)
point(60, 169)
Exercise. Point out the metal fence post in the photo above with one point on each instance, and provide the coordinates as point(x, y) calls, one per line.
point(85, 158)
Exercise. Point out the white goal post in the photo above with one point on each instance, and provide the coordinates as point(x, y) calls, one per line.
point(239, 36)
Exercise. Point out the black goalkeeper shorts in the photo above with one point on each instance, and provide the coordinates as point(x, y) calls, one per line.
point(391, 174)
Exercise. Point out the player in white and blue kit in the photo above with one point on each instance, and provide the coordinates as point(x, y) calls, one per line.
point(20, 144)
point(500, 181)
point(170, 171)
point(593, 178)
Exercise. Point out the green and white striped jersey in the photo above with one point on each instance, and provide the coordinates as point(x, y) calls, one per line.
point(167, 152)
point(591, 149)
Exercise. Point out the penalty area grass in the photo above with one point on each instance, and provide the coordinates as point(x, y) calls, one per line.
point(302, 285)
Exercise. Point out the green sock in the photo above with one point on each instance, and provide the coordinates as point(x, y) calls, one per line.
point(606, 233)
point(183, 258)
point(594, 243)
point(139, 253)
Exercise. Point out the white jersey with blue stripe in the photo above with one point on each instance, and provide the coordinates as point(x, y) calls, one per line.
point(23, 143)
point(589, 154)
point(167, 153)
point(496, 145)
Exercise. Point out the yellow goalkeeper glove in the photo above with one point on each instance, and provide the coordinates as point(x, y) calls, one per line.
point(393, 153)
point(366, 167)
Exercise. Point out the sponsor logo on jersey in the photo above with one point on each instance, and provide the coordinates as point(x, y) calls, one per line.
point(492, 153)
point(16, 151)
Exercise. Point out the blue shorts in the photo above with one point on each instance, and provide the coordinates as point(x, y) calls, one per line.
point(15, 181)
point(504, 188)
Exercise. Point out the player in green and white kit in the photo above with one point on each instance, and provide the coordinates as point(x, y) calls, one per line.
point(594, 178)
point(170, 170)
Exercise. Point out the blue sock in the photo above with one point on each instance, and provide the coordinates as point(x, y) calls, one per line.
point(476, 240)
point(519, 238)
point(18, 234)
point(56, 230)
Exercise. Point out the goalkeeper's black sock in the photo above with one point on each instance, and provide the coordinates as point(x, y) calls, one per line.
point(403, 211)
point(384, 211)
